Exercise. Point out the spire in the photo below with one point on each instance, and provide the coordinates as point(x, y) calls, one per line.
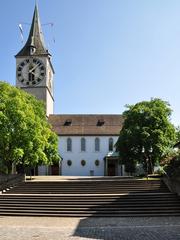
point(35, 43)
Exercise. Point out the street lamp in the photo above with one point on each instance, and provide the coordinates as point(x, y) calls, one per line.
point(147, 158)
point(150, 162)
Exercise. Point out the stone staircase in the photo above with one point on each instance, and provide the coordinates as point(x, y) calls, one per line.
point(95, 198)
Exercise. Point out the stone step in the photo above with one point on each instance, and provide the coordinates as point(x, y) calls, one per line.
point(131, 196)
point(84, 192)
point(84, 199)
point(90, 212)
point(173, 214)
point(91, 187)
point(86, 202)
point(77, 207)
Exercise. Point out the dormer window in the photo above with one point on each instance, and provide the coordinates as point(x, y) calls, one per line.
point(68, 122)
point(100, 122)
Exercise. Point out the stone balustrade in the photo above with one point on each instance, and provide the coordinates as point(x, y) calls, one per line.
point(173, 184)
point(8, 181)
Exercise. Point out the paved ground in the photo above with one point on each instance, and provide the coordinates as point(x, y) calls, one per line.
point(29, 228)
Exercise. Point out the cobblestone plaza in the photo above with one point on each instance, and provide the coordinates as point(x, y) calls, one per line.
point(29, 228)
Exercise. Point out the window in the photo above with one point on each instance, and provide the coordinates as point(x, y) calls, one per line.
point(110, 144)
point(83, 144)
point(83, 163)
point(69, 163)
point(97, 162)
point(69, 145)
point(97, 144)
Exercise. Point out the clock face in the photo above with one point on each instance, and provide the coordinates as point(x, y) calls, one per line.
point(31, 71)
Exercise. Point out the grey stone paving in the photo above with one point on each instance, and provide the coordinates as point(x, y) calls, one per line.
point(29, 228)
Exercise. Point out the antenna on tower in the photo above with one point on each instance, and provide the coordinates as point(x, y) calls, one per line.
point(51, 24)
point(21, 32)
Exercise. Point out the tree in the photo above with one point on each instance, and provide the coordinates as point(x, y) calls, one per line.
point(26, 137)
point(178, 134)
point(146, 135)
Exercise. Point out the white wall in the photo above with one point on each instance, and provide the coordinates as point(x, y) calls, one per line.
point(76, 169)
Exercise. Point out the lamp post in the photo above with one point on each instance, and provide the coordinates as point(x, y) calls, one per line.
point(150, 162)
point(147, 158)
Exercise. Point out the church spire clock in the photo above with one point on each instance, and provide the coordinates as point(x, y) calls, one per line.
point(34, 70)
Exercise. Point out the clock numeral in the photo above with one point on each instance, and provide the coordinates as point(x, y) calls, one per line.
point(22, 80)
point(19, 74)
point(19, 69)
point(27, 60)
point(27, 83)
point(22, 64)
point(39, 79)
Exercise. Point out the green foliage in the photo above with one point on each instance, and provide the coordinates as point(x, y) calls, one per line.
point(26, 137)
point(178, 133)
point(172, 166)
point(147, 125)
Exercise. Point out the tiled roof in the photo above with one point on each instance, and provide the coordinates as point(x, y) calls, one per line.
point(78, 125)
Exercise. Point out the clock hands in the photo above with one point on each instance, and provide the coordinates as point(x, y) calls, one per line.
point(35, 74)
point(32, 69)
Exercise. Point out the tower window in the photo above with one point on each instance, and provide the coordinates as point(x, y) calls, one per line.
point(111, 144)
point(97, 144)
point(69, 144)
point(83, 144)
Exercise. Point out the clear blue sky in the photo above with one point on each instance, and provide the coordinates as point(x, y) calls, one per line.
point(107, 53)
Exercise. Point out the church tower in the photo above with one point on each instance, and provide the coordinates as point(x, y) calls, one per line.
point(34, 70)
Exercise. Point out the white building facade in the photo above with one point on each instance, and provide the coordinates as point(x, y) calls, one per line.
point(86, 155)
point(87, 144)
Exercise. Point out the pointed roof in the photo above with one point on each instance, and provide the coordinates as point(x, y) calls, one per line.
point(35, 43)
